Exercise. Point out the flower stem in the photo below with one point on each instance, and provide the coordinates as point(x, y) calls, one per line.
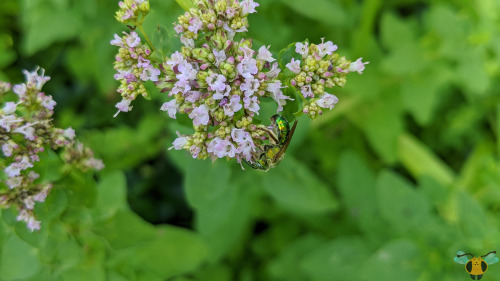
point(146, 36)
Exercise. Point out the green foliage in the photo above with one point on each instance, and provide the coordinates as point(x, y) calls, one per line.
point(389, 185)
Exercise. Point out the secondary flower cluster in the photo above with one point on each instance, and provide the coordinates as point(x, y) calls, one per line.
point(320, 68)
point(26, 130)
point(219, 82)
point(133, 67)
point(131, 10)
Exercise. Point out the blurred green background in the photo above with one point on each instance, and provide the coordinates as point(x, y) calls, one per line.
point(402, 174)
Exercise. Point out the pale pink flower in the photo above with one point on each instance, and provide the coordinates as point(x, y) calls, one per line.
point(179, 142)
point(278, 96)
point(252, 104)
point(326, 48)
point(10, 107)
point(195, 24)
point(69, 133)
point(233, 106)
point(200, 115)
point(248, 7)
point(123, 106)
point(358, 66)
point(294, 66)
point(327, 101)
point(264, 54)
point(307, 91)
point(250, 86)
point(170, 107)
point(302, 48)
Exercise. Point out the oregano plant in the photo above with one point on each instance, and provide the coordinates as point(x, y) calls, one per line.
point(220, 81)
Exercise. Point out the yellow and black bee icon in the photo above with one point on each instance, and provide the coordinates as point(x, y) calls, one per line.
point(476, 267)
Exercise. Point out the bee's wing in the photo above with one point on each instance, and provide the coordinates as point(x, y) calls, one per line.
point(461, 258)
point(490, 258)
point(285, 146)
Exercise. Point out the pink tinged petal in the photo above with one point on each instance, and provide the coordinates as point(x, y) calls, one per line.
point(222, 94)
point(278, 96)
point(233, 106)
point(252, 104)
point(170, 107)
point(195, 150)
point(358, 66)
point(307, 91)
point(20, 90)
point(216, 82)
point(150, 74)
point(250, 86)
point(14, 182)
point(10, 107)
point(12, 170)
point(34, 80)
point(247, 67)
point(94, 163)
point(326, 48)
point(327, 101)
point(176, 59)
point(48, 102)
point(192, 96)
point(187, 41)
point(294, 66)
point(220, 56)
point(27, 131)
point(195, 24)
point(200, 115)
point(264, 54)
point(178, 28)
point(275, 70)
point(7, 149)
point(133, 40)
point(248, 7)
point(302, 48)
point(123, 106)
point(69, 133)
point(33, 224)
point(179, 142)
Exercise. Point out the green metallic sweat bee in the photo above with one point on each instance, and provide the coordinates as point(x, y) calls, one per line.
point(272, 154)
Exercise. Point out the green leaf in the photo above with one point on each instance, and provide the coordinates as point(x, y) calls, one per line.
point(356, 182)
point(419, 160)
point(161, 41)
point(50, 167)
point(112, 195)
point(172, 252)
point(125, 229)
point(321, 10)
point(48, 21)
point(206, 181)
point(405, 209)
point(284, 266)
point(396, 260)
point(338, 259)
point(297, 189)
point(19, 260)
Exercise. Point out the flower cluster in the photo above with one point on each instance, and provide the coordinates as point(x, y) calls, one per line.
point(220, 82)
point(131, 10)
point(320, 68)
point(133, 67)
point(27, 130)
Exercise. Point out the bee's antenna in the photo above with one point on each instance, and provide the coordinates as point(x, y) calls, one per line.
point(466, 255)
point(492, 252)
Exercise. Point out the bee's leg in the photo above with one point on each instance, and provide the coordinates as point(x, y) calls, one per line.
point(479, 277)
point(271, 134)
